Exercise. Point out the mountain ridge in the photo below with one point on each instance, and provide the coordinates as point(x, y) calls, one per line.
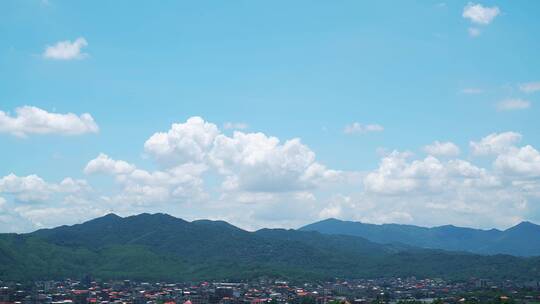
point(161, 247)
point(522, 239)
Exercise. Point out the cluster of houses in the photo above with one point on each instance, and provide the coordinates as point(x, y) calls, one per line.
point(262, 291)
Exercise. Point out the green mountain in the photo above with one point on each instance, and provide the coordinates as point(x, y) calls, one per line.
point(162, 247)
point(520, 240)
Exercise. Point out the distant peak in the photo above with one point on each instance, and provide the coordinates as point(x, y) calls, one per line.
point(332, 219)
point(107, 217)
point(526, 224)
point(154, 215)
point(448, 227)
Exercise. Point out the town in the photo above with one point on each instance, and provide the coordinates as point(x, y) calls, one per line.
point(265, 290)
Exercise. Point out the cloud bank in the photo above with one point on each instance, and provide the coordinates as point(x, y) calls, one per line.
point(256, 180)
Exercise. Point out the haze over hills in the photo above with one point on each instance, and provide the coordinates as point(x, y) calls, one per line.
point(159, 246)
point(520, 240)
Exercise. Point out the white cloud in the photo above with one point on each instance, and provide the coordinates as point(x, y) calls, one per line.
point(523, 161)
point(258, 163)
point(143, 187)
point(442, 149)
point(235, 126)
point(104, 164)
point(70, 185)
point(184, 142)
point(331, 211)
point(26, 188)
point(397, 175)
point(47, 216)
point(433, 192)
point(33, 188)
point(495, 143)
point(66, 50)
point(357, 128)
point(462, 206)
point(33, 120)
point(181, 183)
point(251, 162)
point(479, 14)
point(513, 104)
point(530, 87)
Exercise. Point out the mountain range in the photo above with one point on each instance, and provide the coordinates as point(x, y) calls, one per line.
point(162, 247)
point(520, 240)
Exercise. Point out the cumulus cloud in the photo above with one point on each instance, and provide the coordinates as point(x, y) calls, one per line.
point(66, 50)
point(47, 216)
point(70, 185)
point(431, 191)
point(248, 161)
point(32, 120)
point(397, 175)
point(184, 142)
point(357, 128)
point(32, 188)
point(523, 161)
point(530, 87)
point(182, 182)
point(28, 188)
point(495, 143)
point(362, 208)
point(259, 163)
point(513, 104)
point(442, 149)
point(104, 164)
point(479, 14)
point(486, 207)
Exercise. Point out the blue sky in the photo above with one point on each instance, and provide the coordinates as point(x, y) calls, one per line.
point(407, 73)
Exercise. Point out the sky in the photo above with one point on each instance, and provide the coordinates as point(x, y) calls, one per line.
point(270, 113)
